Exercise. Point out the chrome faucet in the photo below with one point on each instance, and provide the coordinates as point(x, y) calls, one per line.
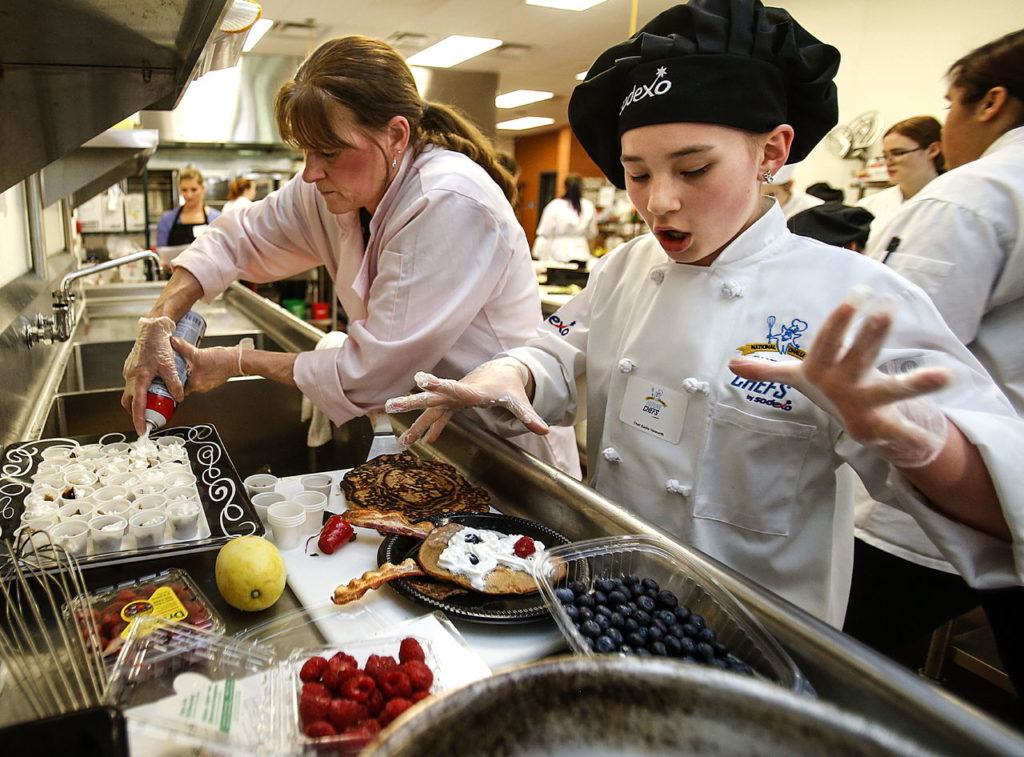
point(57, 327)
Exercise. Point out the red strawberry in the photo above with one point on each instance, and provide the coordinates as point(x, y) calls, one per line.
point(418, 695)
point(411, 650)
point(357, 686)
point(394, 684)
point(419, 675)
point(375, 703)
point(313, 669)
point(377, 664)
point(320, 728)
point(344, 713)
point(314, 707)
point(309, 689)
point(393, 709)
point(524, 547)
point(364, 731)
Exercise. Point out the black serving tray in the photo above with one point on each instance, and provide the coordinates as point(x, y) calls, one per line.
point(226, 505)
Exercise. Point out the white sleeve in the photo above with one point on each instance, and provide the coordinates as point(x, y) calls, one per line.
point(977, 407)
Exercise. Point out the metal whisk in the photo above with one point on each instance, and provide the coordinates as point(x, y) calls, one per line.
point(53, 656)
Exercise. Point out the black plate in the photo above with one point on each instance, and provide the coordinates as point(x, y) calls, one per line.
point(480, 608)
point(225, 502)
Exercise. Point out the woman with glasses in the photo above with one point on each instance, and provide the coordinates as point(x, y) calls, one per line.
point(913, 156)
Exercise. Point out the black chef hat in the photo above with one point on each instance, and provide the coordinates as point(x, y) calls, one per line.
point(833, 223)
point(826, 192)
point(729, 62)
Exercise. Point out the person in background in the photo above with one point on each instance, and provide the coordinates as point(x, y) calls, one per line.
point(183, 224)
point(826, 192)
point(790, 199)
point(961, 239)
point(912, 149)
point(241, 192)
point(566, 226)
point(835, 224)
point(403, 202)
point(730, 368)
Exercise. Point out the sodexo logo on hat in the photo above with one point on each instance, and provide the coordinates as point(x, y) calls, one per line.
point(659, 86)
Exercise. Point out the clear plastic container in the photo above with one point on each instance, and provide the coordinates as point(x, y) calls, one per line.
point(171, 594)
point(649, 557)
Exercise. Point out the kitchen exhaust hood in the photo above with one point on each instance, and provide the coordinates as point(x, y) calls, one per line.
point(70, 69)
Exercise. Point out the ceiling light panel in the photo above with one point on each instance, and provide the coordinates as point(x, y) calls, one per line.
point(521, 97)
point(452, 50)
point(566, 5)
point(526, 122)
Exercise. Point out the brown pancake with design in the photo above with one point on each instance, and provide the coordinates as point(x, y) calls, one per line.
point(416, 488)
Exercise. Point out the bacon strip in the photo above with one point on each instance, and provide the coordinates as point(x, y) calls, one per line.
point(385, 522)
point(374, 579)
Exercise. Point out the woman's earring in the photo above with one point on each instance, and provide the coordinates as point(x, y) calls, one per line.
point(394, 162)
point(767, 177)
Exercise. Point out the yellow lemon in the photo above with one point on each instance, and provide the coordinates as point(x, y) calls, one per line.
point(250, 573)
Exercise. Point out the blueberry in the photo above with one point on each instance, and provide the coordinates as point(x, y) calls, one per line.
point(645, 603)
point(655, 634)
point(658, 648)
point(676, 630)
point(603, 610)
point(633, 580)
point(472, 539)
point(632, 605)
point(590, 642)
point(584, 600)
point(682, 613)
point(697, 620)
point(602, 622)
point(625, 611)
point(592, 629)
point(708, 635)
point(720, 649)
point(650, 583)
point(584, 613)
point(577, 587)
point(616, 598)
point(572, 611)
point(704, 651)
point(641, 617)
point(666, 617)
point(719, 663)
point(626, 649)
point(690, 630)
point(605, 584)
point(688, 647)
point(615, 635)
point(652, 593)
point(604, 645)
point(642, 652)
point(473, 559)
point(617, 620)
point(636, 639)
point(672, 646)
point(630, 624)
point(600, 597)
point(667, 600)
point(660, 625)
point(565, 596)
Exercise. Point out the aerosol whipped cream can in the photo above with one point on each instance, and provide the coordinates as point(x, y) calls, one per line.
point(160, 405)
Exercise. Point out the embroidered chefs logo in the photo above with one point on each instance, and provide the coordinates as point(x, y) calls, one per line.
point(764, 392)
point(782, 341)
point(562, 328)
point(653, 402)
point(659, 86)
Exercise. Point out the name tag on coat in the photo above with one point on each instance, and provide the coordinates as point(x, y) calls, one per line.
point(654, 409)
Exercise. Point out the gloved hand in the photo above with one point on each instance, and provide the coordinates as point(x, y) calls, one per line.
point(496, 383)
point(209, 367)
point(151, 356)
point(884, 413)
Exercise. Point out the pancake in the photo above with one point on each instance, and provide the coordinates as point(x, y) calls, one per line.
point(416, 488)
point(501, 580)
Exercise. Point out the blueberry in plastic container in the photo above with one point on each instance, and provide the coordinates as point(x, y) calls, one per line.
point(688, 646)
point(572, 612)
point(676, 630)
point(682, 613)
point(564, 595)
point(708, 635)
point(616, 598)
point(584, 613)
point(616, 620)
point(690, 630)
point(592, 629)
point(602, 622)
point(584, 600)
point(615, 635)
point(665, 616)
point(636, 639)
point(704, 651)
point(578, 588)
point(657, 648)
point(697, 620)
point(667, 600)
point(604, 584)
point(720, 649)
point(659, 624)
point(650, 583)
point(642, 617)
point(655, 634)
point(604, 645)
point(645, 603)
point(672, 646)
point(643, 652)
point(603, 610)
point(600, 597)
point(625, 611)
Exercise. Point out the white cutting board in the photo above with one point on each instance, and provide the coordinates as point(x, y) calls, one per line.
point(314, 578)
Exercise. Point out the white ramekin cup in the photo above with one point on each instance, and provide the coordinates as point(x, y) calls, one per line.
point(314, 503)
point(184, 517)
point(262, 503)
point(260, 482)
point(72, 535)
point(317, 482)
point(107, 532)
point(147, 526)
point(287, 520)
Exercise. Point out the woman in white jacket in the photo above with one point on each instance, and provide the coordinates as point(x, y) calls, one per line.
point(566, 226)
point(724, 385)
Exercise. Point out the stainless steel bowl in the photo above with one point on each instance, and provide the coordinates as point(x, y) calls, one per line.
point(620, 706)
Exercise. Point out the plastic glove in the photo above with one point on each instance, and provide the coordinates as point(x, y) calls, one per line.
point(151, 356)
point(497, 383)
point(884, 413)
point(210, 367)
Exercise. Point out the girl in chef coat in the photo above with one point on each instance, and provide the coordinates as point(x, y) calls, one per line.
point(729, 371)
point(566, 226)
point(404, 204)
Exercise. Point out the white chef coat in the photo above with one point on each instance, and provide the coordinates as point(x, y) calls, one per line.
point(751, 480)
point(443, 283)
point(798, 202)
point(883, 206)
point(961, 239)
point(239, 202)
point(563, 234)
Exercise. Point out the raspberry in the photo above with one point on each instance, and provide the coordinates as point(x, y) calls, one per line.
point(393, 709)
point(375, 703)
point(395, 683)
point(320, 728)
point(365, 730)
point(377, 664)
point(345, 712)
point(314, 707)
point(312, 669)
point(524, 547)
point(358, 686)
point(418, 695)
point(309, 689)
point(411, 650)
point(336, 673)
point(346, 661)
point(419, 675)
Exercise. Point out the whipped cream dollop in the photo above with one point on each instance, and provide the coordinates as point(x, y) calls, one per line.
point(474, 553)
